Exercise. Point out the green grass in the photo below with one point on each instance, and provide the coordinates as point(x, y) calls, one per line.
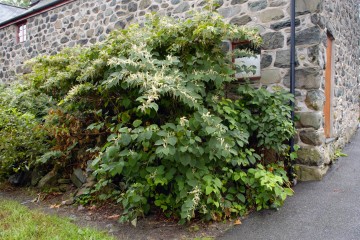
point(18, 223)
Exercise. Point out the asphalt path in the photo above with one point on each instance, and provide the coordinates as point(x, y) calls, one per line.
point(329, 209)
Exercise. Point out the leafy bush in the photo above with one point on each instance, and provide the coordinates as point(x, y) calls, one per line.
point(200, 163)
point(22, 139)
point(149, 105)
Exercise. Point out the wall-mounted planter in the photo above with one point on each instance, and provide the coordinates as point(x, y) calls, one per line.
point(249, 62)
point(253, 61)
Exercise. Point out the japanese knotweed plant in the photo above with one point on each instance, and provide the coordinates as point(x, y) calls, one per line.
point(152, 96)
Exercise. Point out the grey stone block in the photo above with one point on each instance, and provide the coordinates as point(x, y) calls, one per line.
point(243, 20)
point(310, 173)
point(266, 60)
point(310, 156)
point(257, 5)
point(282, 59)
point(278, 3)
point(234, 2)
point(315, 99)
point(132, 7)
point(272, 40)
point(312, 137)
point(78, 177)
point(270, 76)
point(48, 180)
point(271, 15)
point(306, 6)
point(307, 78)
point(310, 119)
point(307, 36)
point(144, 4)
point(183, 7)
point(284, 24)
point(229, 12)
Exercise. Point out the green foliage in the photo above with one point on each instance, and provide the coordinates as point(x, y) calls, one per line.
point(338, 153)
point(200, 164)
point(22, 138)
point(271, 114)
point(266, 186)
point(148, 104)
point(25, 99)
point(19, 222)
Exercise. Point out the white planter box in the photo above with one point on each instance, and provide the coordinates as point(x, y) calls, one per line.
point(249, 61)
point(227, 46)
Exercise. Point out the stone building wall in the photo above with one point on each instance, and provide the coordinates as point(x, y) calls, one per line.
point(339, 19)
point(343, 22)
point(85, 22)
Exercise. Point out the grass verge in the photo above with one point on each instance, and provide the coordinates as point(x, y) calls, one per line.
point(18, 223)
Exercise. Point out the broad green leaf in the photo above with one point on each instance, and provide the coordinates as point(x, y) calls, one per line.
point(137, 123)
point(208, 190)
point(241, 197)
point(210, 130)
point(172, 140)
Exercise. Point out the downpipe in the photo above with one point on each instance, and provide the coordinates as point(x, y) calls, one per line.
point(289, 163)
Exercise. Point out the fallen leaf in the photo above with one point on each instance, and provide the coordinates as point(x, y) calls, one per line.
point(93, 207)
point(55, 206)
point(237, 222)
point(114, 217)
point(134, 222)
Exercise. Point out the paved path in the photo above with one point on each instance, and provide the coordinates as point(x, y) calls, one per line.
point(329, 209)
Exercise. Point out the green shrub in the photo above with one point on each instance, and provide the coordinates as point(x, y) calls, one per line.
point(200, 163)
point(22, 139)
point(149, 105)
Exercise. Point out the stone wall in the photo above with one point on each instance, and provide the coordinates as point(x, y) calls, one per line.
point(344, 24)
point(85, 22)
point(340, 19)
